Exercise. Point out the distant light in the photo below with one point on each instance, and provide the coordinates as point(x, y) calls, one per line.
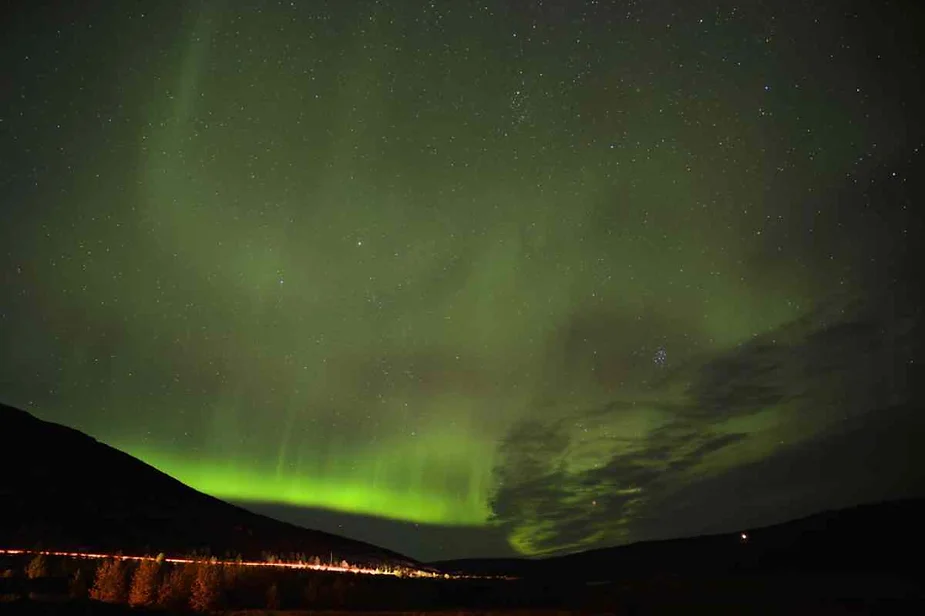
point(744, 536)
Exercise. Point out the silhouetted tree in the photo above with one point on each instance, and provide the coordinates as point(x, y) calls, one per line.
point(6, 574)
point(206, 592)
point(78, 586)
point(339, 590)
point(273, 597)
point(143, 591)
point(231, 574)
point(312, 591)
point(37, 567)
point(175, 587)
point(109, 585)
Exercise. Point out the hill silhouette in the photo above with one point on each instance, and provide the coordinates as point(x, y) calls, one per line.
point(60, 489)
point(877, 538)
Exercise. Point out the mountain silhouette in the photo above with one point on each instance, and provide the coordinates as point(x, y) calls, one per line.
point(875, 538)
point(60, 489)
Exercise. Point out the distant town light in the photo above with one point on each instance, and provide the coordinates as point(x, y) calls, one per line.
point(743, 537)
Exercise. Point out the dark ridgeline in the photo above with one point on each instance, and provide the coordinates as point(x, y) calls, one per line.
point(863, 559)
point(882, 538)
point(60, 489)
point(63, 490)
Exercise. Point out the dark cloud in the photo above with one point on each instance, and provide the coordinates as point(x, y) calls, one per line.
point(530, 453)
point(856, 357)
point(867, 458)
point(742, 381)
point(585, 507)
point(826, 376)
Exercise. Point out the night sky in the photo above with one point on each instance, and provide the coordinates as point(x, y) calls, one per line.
point(474, 278)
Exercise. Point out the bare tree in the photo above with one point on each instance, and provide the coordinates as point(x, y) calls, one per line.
point(273, 597)
point(143, 591)
point(174, 591)
point(37, 567)
point(207, 589)
point(110, 585)
point(78, 586)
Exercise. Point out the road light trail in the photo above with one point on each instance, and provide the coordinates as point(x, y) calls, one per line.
point(392, 571)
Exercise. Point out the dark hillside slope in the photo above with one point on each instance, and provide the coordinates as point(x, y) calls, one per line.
point(61, 489)
point(875, 538)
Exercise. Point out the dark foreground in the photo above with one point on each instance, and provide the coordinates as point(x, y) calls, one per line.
point(864, 560)
point(734, 594)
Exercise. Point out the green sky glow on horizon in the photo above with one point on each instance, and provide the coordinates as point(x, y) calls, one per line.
point(340, 258)
point(398, 499)
point(507, 306)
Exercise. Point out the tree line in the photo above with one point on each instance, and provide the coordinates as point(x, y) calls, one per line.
point(203, 585)
point(208, 585)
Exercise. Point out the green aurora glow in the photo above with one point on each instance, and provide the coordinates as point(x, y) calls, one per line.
point(338, 257)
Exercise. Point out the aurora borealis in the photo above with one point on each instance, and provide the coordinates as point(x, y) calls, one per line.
point(474, 278)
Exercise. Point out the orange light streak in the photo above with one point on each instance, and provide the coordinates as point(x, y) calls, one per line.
point(396, 572)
